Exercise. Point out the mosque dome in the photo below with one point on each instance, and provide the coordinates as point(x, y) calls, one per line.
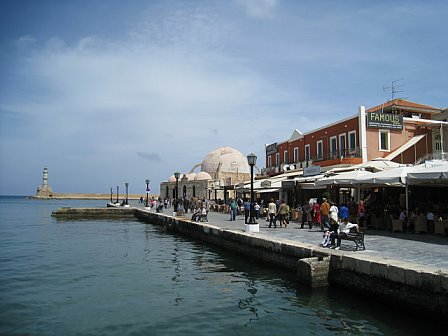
point(191, 176)
point(225, 159)
point(201, 176)
point(172, 179)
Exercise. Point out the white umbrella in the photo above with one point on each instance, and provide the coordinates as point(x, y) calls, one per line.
point(391, 177)
point(432, 175)
point(346, 178)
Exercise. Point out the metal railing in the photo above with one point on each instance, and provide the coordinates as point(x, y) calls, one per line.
point(432, 156)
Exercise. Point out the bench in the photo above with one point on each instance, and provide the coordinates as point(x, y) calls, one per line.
point(357, 238)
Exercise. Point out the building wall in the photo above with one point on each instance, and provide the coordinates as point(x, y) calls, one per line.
point(397, 139)
point(323, 134)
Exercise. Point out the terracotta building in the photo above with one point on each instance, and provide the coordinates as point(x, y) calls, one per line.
point(398, 130)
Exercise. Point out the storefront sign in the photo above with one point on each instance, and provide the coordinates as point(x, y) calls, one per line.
point(384, 120)
point(271, 149)
point(265, 184)
point(311, 170)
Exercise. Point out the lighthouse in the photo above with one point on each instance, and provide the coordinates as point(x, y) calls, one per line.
point(44, 191)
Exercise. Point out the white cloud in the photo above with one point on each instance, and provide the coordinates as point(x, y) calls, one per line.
point(259, 8)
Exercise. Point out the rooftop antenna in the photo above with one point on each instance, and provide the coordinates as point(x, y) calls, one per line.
point(394, 88)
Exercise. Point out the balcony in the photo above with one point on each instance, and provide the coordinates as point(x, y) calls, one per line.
point(346, 156)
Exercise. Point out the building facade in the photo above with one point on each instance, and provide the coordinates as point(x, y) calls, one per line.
point(398, 130)
point(220, 171)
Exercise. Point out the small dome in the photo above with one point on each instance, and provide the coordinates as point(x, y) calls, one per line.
point(225, 159)
point(202, 176)
point(191, 176)
point(172, 179)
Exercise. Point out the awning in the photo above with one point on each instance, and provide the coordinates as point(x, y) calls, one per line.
point(407, 145)
point(429, 175)
point(347, 178)
point(311, 186)
point(263, 191)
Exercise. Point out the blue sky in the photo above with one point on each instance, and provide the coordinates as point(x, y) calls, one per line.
point(102, 92)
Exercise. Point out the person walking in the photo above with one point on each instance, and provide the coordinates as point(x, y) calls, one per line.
point(306, 216)
point(343, 212)
point(316, 213)
point(324, 213)
point(257, 210)
point(246, 211)
point(282, 213)
point(233, 209)
point(272, 210)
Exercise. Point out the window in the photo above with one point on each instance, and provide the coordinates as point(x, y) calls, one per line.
point(307, 152)
point(285, 156)
point(384, 140)
point(269, 161)
point(296, 154)
point(438, 142)
point(167, 192)
point(342, 145)
point(352, 141)
point(319, 148)
point(194, 191)
point(333, 147)
point(277, 159)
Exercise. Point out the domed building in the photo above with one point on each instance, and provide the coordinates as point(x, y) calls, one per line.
point(221, 170)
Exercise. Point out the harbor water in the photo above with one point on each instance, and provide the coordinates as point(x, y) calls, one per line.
point(125, 277)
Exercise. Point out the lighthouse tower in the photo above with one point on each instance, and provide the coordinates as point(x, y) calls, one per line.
point(44, 191)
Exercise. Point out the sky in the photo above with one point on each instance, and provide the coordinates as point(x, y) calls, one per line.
point(105, 92)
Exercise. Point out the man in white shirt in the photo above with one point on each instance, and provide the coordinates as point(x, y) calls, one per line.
point(272, 210)
point(344, 229)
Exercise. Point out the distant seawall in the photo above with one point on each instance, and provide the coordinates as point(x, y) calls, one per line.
point(92, 196)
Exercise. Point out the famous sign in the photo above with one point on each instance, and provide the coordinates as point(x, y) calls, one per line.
point(384, 120)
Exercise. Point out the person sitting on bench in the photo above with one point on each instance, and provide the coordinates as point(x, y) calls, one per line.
point(344, 229)
point(196, 215)
point(203, 215)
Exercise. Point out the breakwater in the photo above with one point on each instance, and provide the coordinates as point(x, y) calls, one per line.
point(75, 196)
point(410, 287)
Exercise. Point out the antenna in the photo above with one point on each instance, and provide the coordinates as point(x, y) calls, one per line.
point(394, 88)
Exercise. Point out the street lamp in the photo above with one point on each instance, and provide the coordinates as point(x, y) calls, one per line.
point(176, 175)
point(147, 194)
point(127, 195)
point(252, 160)
point(117, 194)
point(111, 193)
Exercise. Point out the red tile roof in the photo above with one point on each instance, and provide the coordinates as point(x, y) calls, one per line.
point(403, 104)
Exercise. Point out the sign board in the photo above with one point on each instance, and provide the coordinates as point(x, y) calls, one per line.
point(311, 170)
point(384, 120)
point(265, 184)
point(271, 149)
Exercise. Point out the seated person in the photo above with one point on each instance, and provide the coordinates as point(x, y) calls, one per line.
point(333, 230)
point(203, 216)
point(342, 232)
point(196, 215)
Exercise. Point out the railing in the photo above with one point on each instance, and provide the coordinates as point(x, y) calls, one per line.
point(432, 156)
point(356, 153)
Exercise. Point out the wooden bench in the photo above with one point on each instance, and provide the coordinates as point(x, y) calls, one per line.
point(357, 238)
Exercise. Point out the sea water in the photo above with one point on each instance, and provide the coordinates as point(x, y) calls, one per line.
point(125, 277)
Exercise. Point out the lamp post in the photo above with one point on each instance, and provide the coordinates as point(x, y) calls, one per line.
point(127, 195)
point(147, 195)
point(117, 194)
point(176, 204)
point(111, 193)
point(252, 226)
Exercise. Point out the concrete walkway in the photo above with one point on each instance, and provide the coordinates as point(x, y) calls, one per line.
point(423, 249)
